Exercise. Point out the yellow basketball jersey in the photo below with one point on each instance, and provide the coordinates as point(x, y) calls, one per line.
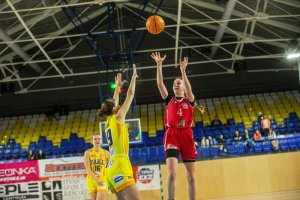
point(98, 162)
point(117, 136)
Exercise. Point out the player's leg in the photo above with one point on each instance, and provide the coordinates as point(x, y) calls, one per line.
point(171, 147)
point(189, 155)
point(131, 192)
point(93, 195)
point(101, 195)
point(190, 173)
point(92, 188)
point(120, 196)
point(172, 169)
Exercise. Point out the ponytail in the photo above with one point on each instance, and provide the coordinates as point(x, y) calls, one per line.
point(106, 108)
point(200, 108)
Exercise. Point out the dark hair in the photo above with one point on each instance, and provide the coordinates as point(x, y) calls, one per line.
point(106, 108)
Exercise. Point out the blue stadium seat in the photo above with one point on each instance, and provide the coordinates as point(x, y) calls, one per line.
point(159, 140)
point(230, 122)
point(7, 154)
point(144, 156)
point(42, 139)
point(23, 154)
point(145, 136)
point(48, 151)
point(241, 149)
point(292, 143)
point(1, 153)
point(282, 129)
point(297, 126)
point(73, 136)
point(161, 154)
point(199, 125)
point(290, 127)
point(151, 141)
point(214, 152)
point(273, 122)
point(208, 132)
point(134, 156)
point(293, 116)
point(204, 152)
point(283, 145)
point(298, 142)
point(55, 150)
point(87, 146)
point(17, 146)
point(257, 147)
point(153, 156)
point(266, 146)
point(232, 151)
point(15, 153)
point(225, 133)
point(217, 133)
point(11, 142)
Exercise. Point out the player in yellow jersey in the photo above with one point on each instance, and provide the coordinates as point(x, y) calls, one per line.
point(95, 162)
point(119, 170)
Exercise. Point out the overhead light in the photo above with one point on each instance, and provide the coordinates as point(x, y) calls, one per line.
point(293, 50)
point(293, 55)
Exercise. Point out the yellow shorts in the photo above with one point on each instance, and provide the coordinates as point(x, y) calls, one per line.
point(119, 173)
point(93, 187)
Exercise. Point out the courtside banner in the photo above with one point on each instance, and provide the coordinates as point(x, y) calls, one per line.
point(16, 191)
point(19, 172)
point(147, 177)
point(75, 188)
point(58, 167)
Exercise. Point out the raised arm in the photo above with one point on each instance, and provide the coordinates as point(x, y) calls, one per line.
point(159, 76)
point(86, 161)
point(188, 88)
point(130, 94)
point(118, 83)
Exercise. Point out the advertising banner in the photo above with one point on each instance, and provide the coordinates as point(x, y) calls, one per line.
point(19, 172)
point(147, 177)
point(18, 191)
point(51, 168)
point(75, 188)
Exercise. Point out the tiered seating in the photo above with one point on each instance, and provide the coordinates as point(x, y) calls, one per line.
point(70, 134)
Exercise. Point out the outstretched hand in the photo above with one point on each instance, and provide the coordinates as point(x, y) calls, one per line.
point(201, 109)
point(184, 63)
point(134, 75)
point(158, 59)
point(118, 80)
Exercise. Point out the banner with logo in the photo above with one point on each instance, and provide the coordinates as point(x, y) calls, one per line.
point(62, 178)
point(19, 172)
point(58, 167)
point(75, 188)
point(147, 177)
point(18, 191)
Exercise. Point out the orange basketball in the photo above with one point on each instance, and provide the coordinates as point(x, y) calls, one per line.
point(155, 24)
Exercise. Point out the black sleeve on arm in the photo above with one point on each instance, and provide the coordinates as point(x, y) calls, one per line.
point(168, 99)
point(193, 103)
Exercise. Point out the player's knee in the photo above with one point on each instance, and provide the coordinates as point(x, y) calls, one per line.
point(191, 177)
point(172, 175)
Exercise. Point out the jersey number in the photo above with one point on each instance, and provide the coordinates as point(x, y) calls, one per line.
point(109, 137)
point(179, 112)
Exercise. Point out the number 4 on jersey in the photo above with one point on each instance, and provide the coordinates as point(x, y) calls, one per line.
point(109, 137)
point(179, 112)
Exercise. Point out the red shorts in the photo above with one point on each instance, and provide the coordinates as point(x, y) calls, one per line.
point(181, 139)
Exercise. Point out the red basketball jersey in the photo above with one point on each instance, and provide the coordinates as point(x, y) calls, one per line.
point(179, 113)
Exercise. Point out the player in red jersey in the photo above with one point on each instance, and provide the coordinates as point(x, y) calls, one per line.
point(179, 118)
